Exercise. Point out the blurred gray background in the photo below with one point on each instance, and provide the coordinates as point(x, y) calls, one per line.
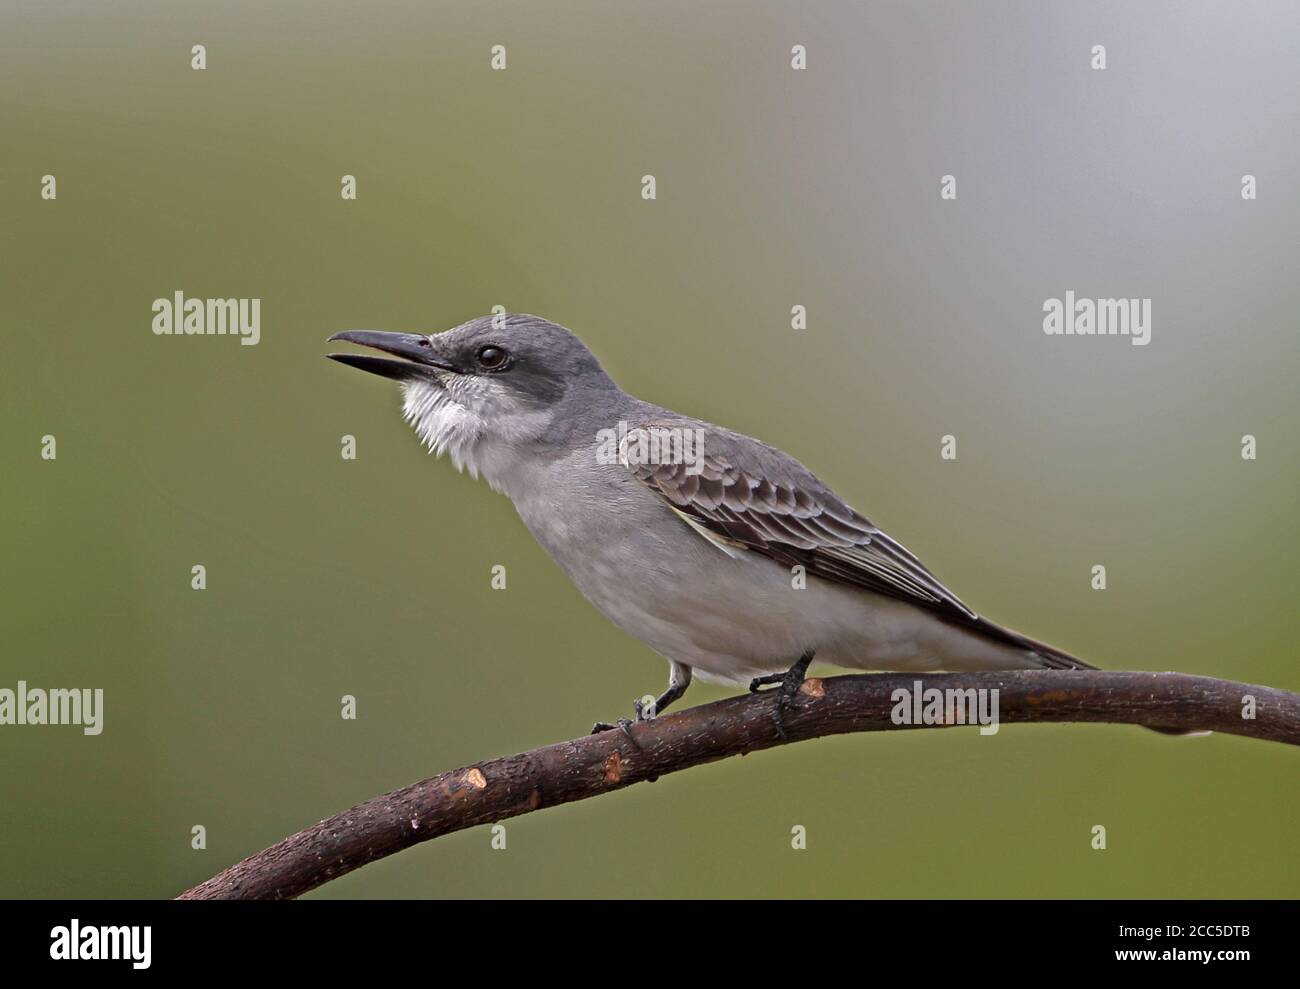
point(522, 188)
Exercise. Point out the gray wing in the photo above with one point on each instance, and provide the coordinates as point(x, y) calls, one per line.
point(767, 502)
point(743, 493)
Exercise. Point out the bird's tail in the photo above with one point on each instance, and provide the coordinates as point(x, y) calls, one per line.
point(1050, 657)
point(1056, 659)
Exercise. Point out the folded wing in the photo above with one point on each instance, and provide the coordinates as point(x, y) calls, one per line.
point(743, 494)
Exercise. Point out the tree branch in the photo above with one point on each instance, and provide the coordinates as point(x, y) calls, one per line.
point(595, 764)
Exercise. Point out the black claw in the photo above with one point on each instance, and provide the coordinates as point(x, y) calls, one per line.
point(758, 683)
point(624, 724)
point(789, 681)
point(784, 699)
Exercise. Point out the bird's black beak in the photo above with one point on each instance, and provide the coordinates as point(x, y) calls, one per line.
point(416, 351)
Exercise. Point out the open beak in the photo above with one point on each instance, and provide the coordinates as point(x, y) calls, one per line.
point(415, 351)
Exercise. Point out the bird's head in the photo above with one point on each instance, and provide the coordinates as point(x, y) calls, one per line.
point(511, 381)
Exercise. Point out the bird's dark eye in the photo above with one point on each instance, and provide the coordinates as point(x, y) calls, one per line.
point(492, 358)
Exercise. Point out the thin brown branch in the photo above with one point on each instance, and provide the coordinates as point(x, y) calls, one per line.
point(595, 764)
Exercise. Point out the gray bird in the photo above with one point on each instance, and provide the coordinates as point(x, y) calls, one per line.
point(726, 556)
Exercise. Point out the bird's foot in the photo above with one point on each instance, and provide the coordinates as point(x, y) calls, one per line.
point(599, 726)
point(624, 724)
point(789, 683)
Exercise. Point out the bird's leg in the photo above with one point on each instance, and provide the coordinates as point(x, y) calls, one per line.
point(790, 681)
point(679, 678)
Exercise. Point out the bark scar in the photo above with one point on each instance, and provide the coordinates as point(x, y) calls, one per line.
point(812, 687)
point(613, 767)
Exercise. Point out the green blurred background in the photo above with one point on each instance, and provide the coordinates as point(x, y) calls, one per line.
point(522, 188)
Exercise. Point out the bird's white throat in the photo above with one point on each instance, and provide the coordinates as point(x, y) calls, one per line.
point(448, 419)
point(443, 424)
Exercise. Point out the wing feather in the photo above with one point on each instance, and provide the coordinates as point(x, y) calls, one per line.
point(741, 495)
point(792, 518)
